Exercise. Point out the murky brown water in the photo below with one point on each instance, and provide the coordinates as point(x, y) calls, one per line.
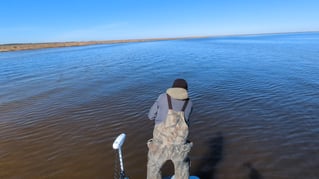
point(256, 102)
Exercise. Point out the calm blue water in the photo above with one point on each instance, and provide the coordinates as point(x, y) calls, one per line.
point(256, 106)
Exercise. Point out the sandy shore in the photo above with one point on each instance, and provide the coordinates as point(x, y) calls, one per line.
point(30, 46)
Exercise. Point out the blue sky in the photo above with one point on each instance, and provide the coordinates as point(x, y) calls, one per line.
point(25, 21)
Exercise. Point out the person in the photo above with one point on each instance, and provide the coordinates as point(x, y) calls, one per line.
point(171, 113)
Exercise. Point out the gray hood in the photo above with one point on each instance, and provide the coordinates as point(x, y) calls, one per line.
point(177, 93)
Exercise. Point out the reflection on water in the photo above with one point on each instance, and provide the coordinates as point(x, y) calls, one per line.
point(255, 107)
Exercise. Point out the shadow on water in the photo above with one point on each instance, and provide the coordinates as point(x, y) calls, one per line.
point(253, 172)
point(207, 167)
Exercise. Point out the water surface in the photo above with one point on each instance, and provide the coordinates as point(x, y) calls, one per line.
point(256, 102)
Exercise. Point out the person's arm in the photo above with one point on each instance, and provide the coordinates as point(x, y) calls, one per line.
point(153, 111)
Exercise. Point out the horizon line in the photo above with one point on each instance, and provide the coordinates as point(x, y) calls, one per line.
point(159, 38)
point(40, 45)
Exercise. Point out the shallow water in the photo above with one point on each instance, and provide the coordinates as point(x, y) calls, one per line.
point(256, 102)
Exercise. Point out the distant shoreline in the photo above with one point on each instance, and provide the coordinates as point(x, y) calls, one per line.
point(33, 46)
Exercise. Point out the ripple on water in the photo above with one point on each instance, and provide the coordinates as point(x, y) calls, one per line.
point(254, 110)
